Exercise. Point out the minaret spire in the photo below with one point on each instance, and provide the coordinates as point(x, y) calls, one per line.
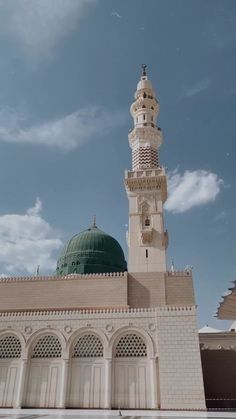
point(146, 184)
point(144, 70)
point(94, 224)
point(146, 137)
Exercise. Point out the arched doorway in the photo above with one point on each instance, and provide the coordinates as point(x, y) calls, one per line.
point(131, 373)
point(44, 373)
point(10, 353)
point(86, 386)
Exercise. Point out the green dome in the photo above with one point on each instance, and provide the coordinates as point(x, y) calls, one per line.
point(91, 251)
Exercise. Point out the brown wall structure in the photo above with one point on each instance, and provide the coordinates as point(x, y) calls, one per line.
point(63, 293)
point(218, 354)
point(146, 289)
point(143, 290)
point(179, 289)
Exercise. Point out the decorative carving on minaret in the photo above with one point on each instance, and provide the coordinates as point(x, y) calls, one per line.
point(146, 184)
point(146, 137)
point(146, 228)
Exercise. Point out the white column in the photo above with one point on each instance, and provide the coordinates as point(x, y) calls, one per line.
point(108, 381)
point(64, 381)
point(21, 384)
point(153, 376)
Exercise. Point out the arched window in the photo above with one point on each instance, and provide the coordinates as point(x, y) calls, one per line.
point(88, 346)
point(47, 346)
point(10, 347)
point(131, 345)
point(147, 222)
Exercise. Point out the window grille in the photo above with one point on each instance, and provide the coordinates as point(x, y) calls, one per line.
point(48, 346)
point(88, 346)
point(10, 347)
point(130, 345)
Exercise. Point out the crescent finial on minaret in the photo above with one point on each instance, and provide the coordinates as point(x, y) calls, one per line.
point(144, 69)
point(94, 225)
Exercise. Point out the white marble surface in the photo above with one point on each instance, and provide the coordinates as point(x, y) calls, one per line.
point(100, 414)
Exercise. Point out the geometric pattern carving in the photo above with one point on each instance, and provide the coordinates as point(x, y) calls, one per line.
point(10, 347)
point(48, 346)
point(144, 157)
point(131, 345)
point(88, 346)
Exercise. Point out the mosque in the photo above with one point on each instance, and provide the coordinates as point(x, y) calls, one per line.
point(99, 333)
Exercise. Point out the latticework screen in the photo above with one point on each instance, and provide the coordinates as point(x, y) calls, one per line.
point(88, 346)
point(131, 345)
point(10, 347)
point(48, 346)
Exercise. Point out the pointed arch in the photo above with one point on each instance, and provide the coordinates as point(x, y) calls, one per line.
point(17, 334)
point(35, 337)
point(132, 330)
point(79, 333)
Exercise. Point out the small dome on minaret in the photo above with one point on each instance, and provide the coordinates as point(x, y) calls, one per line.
point(146, 136)
point(144, 83)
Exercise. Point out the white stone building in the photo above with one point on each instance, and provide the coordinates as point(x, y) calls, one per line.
point(95, 335)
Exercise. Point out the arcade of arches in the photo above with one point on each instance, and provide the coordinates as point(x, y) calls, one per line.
point(83, 375)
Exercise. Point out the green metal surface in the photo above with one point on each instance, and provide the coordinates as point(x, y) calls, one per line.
point(91, 251)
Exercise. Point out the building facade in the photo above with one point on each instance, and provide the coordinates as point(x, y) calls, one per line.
point(96, 335)
point(218, 353)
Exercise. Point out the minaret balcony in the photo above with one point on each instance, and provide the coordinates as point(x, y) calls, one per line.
point(145, 172)
point(149, 132)
point(147, 179)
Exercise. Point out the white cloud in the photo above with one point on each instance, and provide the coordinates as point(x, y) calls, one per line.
point(26, 241)
point(38, 25)
point(116, 14)
point(221, 216)
point(196, 88)
point(66, 133)
point(191, 189)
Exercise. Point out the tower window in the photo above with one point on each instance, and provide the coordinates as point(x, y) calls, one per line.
point(144, 95)
point(144, 117)
point(147, 222)
point(146, 253)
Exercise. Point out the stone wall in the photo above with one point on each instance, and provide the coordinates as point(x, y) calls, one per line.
point(179, 289)
point(63, 292)
point(180, 368)
point(147, 289)
point(169, 332)
point(154, 289)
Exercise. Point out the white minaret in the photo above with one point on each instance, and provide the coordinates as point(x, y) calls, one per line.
point(146, 185)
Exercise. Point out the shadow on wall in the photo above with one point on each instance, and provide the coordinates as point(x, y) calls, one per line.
point(138, 294)
point(219, 374)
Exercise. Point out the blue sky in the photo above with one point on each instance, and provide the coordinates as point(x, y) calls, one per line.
point(68, 72)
